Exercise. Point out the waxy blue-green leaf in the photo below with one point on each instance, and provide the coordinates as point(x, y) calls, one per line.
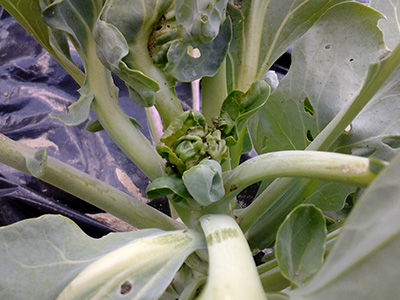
point(199, 20)
point(376, 130)
point(366, 253)
point(60, 261)
point(204, 182)
point(328, 68)
point(298, 193)
point(123, 35)
point(26, 12)
point(165, 186)
point(238, 107)
point(187, 63)
point(112, 47)
point(263, 31)
point(78, 112)
point(74, 17)
point(300, 244)
point(181, 125)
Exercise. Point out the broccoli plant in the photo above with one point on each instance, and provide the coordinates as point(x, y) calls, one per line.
point(324, 135)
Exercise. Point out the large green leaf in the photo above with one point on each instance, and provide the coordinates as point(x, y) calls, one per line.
point(112, 48)
point(376, 130)
point(51, 258)
point(122, 36)
point(29, 15)
point(365, 260)
point(263, 31)
point(329, 66)
point(300, 244)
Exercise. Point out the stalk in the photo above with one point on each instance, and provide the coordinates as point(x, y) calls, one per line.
point(114, 121)
point(251, 45)
point(229, 252)
point(305, 164)
point(214, 92)
point(86, 187)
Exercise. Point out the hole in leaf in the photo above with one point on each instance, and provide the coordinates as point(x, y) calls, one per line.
point(327, 46)
point(308, 108)
point(204, 19)
point(348, 128)
point(126, 288)
point(193, 52)
point(392, 142)
point(309, 136)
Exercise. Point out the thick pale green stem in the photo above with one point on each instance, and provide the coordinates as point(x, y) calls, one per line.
point(121, 130)
point(232, 271)
point(167, 102)
point(214, 92)
point(337, 167)
point(87, 188)
point(247, 74)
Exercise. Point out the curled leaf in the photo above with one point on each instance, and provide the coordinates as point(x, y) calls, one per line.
point(112, 48)
point(199, 20)
point(187, 62)
point(37, 164)
point(164, 186)
point(204, 182)
point(300, 244)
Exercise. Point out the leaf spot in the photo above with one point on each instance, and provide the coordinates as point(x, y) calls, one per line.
point(126, 288)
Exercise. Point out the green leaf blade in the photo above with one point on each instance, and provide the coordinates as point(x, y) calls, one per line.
point(60, 261)
point(204, 182)
point(329, 65)
point(263, 31)
point(366, 252)
point(300, 244)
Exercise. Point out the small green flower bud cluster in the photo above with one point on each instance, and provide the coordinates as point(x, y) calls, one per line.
point(188, 140)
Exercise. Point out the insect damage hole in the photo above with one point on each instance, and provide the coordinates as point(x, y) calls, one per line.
point(348, 129)
point(309, 136)
point(307, 106)
point(193, 52)
point(126, 288)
